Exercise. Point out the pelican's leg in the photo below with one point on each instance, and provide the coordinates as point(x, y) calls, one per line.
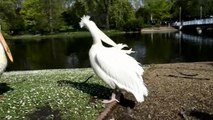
point(113, 98)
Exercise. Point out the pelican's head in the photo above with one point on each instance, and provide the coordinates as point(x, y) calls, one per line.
point(86, 22)
point(96, 33)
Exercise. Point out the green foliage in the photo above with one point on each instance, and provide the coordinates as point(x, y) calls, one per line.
point(159, 10)
point(133, 25)
point(143, 13)
point(190, 9)
point(48, 16)
point(32, 13)
point(104, 12)
point(100, 9)
point(72, 15)
point(4, 25)
point(121, 12)
point(42, 16)
point(7, 14)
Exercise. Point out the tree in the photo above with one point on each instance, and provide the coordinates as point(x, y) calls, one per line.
point(155, 11)
point(159, 9)
point(190, 9)
point(42, 15)
point(53, 10)
point(145, 14)
point(207, 8)
point(7, 14)
point(100, 8)
point(111, 13)
point(120, 13)
point(33, 15)
point(74, 13)
point(106, 13)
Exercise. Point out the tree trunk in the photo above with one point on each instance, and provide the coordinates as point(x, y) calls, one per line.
point(50, 17)
point(107, 20)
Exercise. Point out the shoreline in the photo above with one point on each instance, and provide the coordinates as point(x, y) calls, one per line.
point(158, 30)
point(86, 33)
point(59, 35)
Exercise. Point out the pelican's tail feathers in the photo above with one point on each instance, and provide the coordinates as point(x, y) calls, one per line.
point(140, 96)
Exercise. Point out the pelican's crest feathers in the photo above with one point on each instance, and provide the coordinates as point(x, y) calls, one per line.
point(84, 20)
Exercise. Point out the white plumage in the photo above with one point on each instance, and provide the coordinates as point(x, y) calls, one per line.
point(114, 65)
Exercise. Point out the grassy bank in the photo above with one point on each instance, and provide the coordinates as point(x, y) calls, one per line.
point(85, 33)
point(60, 35)
point(52, 94)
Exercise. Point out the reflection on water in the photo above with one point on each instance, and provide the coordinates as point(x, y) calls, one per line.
point(73, 52)
point(194, 38)
point(195, 48)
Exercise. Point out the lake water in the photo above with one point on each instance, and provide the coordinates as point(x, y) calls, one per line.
point(73, 52)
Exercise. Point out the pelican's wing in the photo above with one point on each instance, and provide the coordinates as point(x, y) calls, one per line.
point(109, 41)
point(123, 70)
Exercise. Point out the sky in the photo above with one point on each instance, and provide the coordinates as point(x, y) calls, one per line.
point(137, 3)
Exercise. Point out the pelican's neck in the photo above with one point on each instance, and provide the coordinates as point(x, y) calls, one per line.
point(95, 32)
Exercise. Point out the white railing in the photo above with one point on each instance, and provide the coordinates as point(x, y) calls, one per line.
point(195, 22)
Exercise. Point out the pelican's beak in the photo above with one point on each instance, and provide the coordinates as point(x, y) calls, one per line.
point(6, 48)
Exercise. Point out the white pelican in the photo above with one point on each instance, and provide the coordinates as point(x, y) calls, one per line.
point(3, 58)
point(114, 65)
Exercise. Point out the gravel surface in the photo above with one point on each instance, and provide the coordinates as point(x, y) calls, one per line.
point(176, 91)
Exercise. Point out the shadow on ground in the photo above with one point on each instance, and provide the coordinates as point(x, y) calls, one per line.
point(93, 89)
point(201, 115)
point(4, 87)
point(96, 90)
point(45, 113)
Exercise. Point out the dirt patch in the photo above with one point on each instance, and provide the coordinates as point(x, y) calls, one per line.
point(176, 91)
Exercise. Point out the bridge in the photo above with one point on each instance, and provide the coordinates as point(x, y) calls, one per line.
point(199, 25)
